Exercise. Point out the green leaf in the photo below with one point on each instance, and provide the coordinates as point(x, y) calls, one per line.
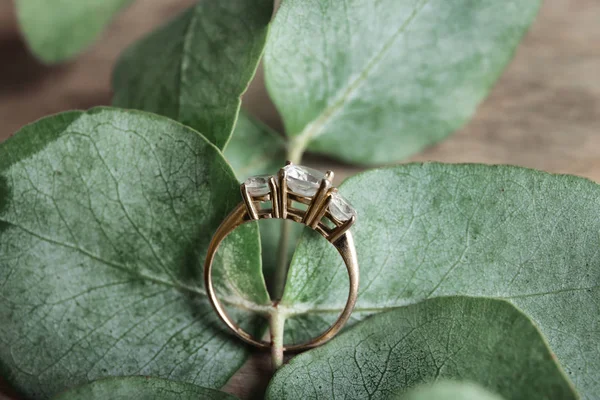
point(142, 388)
point(450, 390)
point(105, 217)
point(482, 340)
point(254, 149)
point(496, 231)
point(59, 30)
point(196, 68)
point(373, 82)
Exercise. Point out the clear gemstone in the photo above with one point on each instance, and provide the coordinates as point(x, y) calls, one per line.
point(303, 180)
point(258, 185)
point(340, 208)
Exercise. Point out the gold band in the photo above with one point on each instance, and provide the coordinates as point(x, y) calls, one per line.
point(282, 207)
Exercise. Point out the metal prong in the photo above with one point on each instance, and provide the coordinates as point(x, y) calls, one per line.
point(318, 203)
point(336, 234)
point(283, 191)
point(319, 215)
point(274, 197)
point(249, 202)
point(329, 176)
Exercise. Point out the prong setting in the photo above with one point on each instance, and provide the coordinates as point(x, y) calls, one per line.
point(326, 210)
point(319, 203)
point(283, 193)
point(337, 233)
point(329, 176)
point(275, 197)
point(322, 210)
point(252, 212)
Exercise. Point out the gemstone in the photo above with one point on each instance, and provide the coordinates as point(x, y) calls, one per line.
point(258, 185)
point(340, 208)
point(303, 180)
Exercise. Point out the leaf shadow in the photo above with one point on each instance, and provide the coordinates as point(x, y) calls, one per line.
point(5, 194)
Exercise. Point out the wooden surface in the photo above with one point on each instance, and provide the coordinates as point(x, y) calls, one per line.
point(544, 113)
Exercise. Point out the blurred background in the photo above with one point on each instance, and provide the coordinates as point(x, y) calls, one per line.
point(544, 112)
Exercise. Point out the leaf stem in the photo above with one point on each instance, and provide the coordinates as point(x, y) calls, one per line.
point(277, 318)
point(296, 150)
point(276, 326)
point(295, 154)
point(280, 275)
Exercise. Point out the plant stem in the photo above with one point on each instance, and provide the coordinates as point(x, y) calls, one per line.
point(279, 277)
point(296, 151)
point(277, 319)
point(276, 326)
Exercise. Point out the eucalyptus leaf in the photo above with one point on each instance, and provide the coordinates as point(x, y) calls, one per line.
point(254, 149)
point(142, 388)
point(59, 30)
point(450, 390)
point(105, 217)
point(428, 230)
point(486, 341)
point(375, 81)
point(196, 68)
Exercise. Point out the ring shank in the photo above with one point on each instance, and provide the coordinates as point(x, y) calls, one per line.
point(345, 247)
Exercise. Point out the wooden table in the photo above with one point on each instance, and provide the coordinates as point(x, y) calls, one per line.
point(544, 113)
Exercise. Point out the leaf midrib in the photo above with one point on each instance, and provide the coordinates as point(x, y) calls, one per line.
point(315, 129)
point(294, 311)
point(236, 302)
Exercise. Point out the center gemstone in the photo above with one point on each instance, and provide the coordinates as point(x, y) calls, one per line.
point(303, 180)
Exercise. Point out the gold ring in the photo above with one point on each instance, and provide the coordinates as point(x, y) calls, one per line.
point(327, 212)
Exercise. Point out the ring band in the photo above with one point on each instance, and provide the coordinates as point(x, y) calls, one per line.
point(327, 213)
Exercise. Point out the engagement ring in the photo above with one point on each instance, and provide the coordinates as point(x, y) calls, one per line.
point(303, 195)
